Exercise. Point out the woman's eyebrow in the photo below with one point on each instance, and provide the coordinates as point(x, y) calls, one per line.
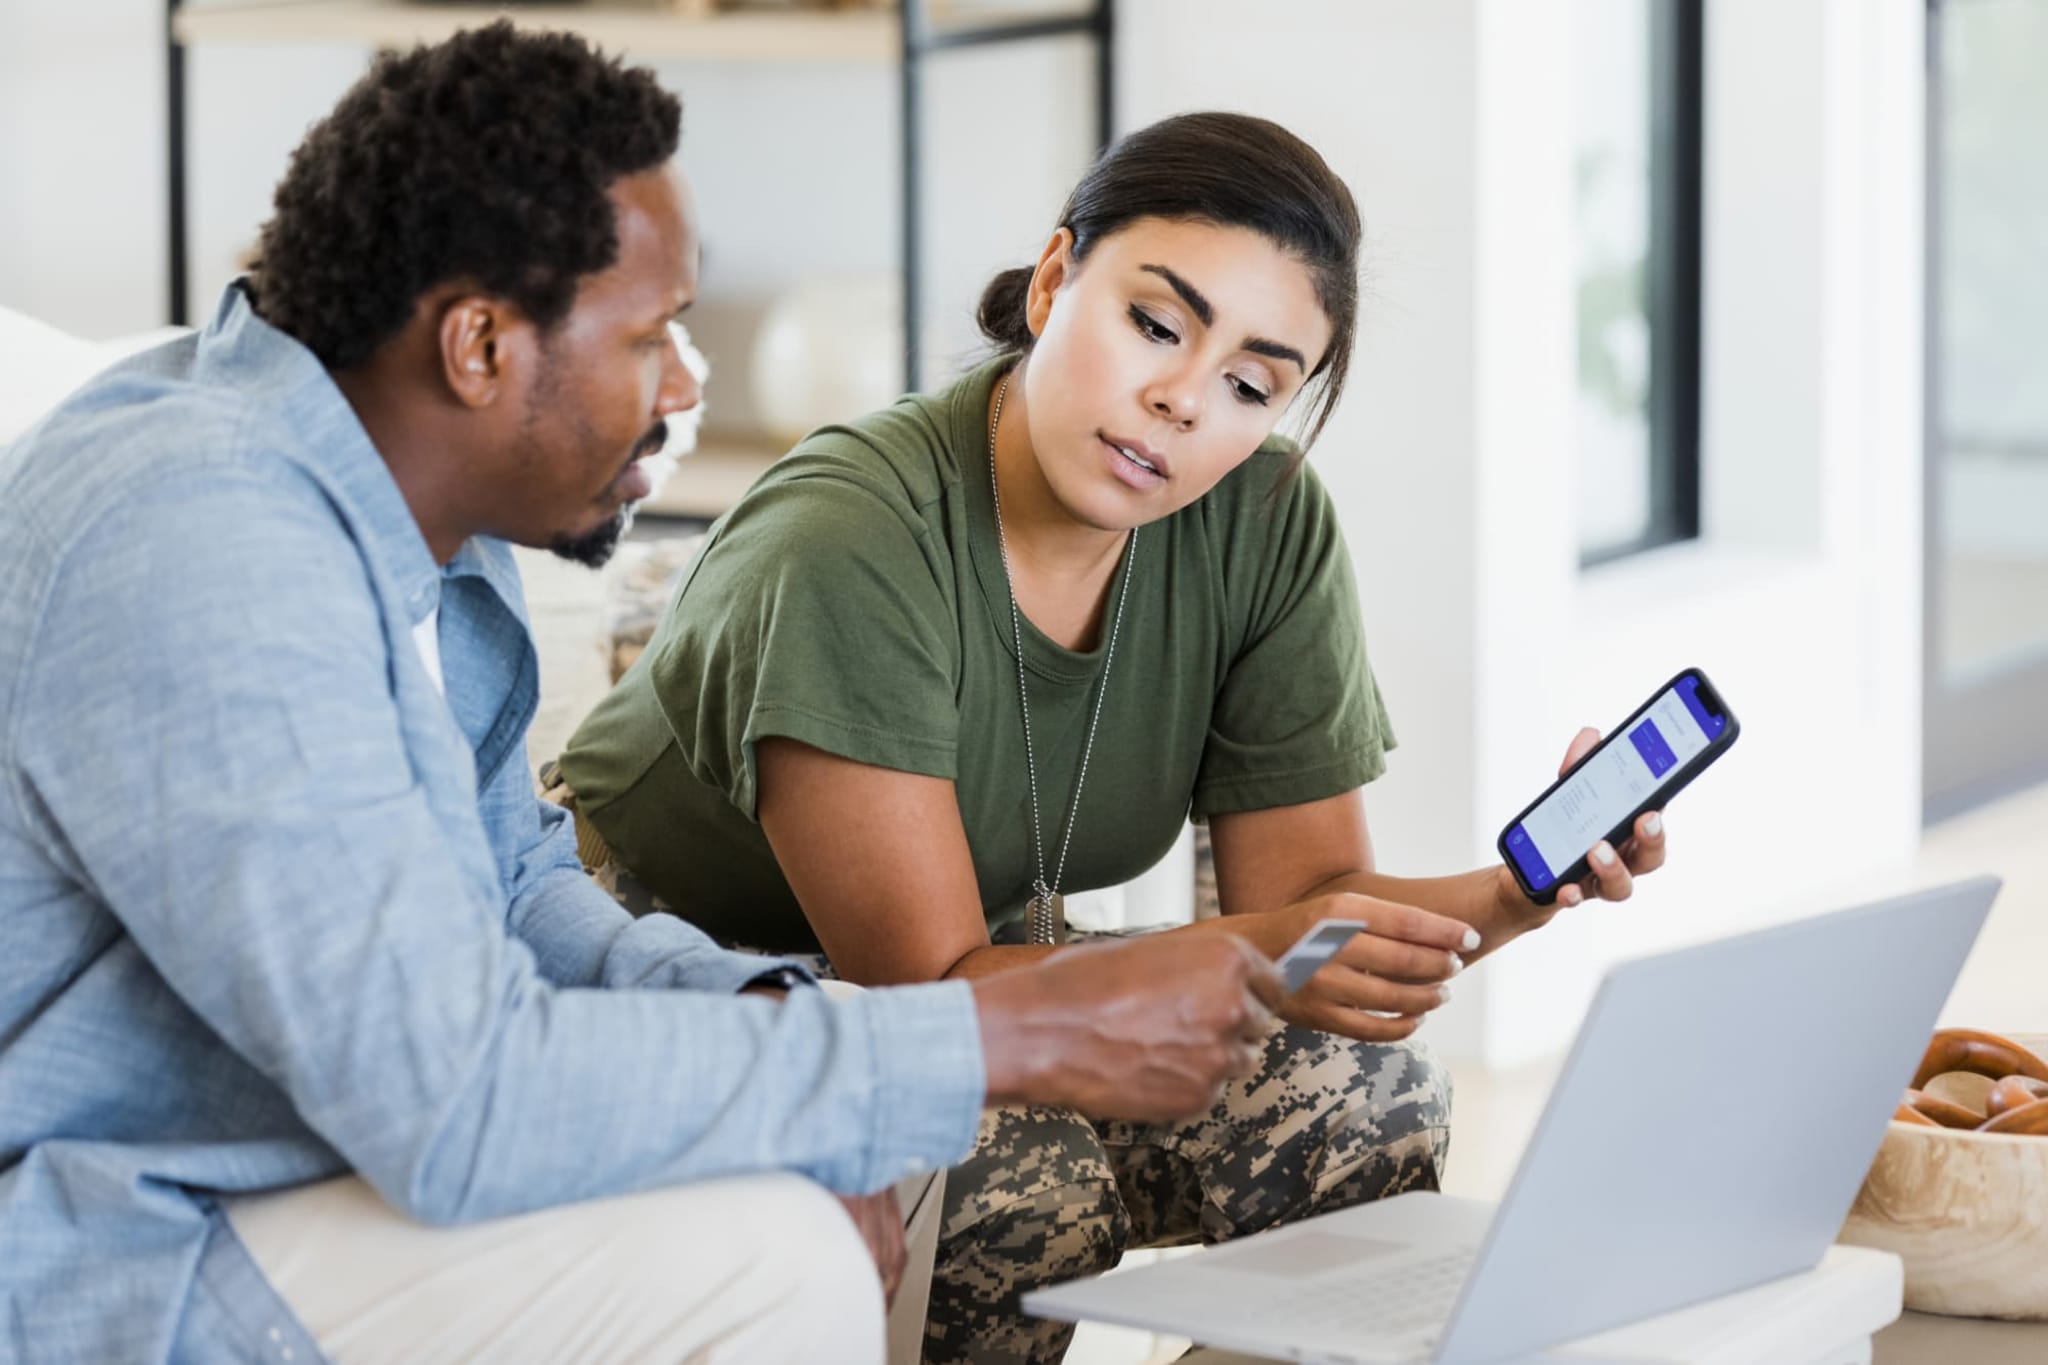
point(1199, 305)
point(1278, 350)
point(1189, 295)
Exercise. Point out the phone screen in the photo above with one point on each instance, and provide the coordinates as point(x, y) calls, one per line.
point(1626, 770)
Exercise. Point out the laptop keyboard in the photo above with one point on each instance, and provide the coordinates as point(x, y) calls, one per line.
point(1388, 1300)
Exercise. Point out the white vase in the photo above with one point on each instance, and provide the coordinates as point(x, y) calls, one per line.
point(830, 349)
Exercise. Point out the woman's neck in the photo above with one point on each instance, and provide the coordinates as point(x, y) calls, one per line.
point(1060, 567)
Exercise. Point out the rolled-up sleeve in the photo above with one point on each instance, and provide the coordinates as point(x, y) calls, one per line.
point(579, 935)
point(209, 718)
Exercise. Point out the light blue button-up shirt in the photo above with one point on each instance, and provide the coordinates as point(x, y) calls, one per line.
point(272, 909)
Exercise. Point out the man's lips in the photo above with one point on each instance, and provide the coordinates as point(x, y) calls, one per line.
point(633, 484)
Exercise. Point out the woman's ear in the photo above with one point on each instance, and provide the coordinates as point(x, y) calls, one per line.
point(1055, 267)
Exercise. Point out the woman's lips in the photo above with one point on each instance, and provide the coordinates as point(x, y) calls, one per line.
point(1127, 469)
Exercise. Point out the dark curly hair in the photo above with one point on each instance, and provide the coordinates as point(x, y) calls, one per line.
point(484, 158)
point(1232, 170)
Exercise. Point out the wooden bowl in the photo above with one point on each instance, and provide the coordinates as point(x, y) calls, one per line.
point(1968, 1214)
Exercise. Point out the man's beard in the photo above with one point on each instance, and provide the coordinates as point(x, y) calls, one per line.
point(593, 549)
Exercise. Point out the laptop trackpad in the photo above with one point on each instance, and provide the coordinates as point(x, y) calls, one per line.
point(1306, 1253)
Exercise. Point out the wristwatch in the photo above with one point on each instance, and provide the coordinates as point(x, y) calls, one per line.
point(786, 978)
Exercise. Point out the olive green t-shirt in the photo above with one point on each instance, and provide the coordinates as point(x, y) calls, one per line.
point(854, 600)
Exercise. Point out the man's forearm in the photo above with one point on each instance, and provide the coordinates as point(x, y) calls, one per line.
point(1143, 1029)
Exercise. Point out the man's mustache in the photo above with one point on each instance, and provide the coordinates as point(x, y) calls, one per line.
point(653, 441)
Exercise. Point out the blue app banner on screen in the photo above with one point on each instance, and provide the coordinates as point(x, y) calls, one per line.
point(1618, 778)
point(1534, 870)
point(1656, 753)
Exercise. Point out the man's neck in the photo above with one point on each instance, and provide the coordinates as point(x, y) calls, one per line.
point(406, 437)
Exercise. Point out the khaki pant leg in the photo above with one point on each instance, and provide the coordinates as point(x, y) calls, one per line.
point(922, 1199)
point(742, 1270)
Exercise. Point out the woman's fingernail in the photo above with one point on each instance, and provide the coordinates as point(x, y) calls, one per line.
point(1654, 826)
point(1443, 995)
point(1457, 964)
point(1571, 896)
point(1603, 855)
point(1471, 939)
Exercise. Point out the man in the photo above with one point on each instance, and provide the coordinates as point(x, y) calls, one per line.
point(296, 973)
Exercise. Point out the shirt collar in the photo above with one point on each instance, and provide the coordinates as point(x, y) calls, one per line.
point(239, 347)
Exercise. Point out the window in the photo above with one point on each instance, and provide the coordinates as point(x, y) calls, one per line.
point(1636, 123)
point(1987, 441)
point(1991, 406)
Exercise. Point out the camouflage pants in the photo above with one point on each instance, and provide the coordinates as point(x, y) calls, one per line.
point(1047, 1195)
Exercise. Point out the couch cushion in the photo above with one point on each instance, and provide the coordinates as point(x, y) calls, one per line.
point(43, 364)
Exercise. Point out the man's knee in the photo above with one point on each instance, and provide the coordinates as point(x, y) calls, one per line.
point(736, 1271)
point(798, 1280)
point(810, 1250)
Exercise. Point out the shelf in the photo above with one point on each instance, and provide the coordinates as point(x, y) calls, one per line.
point(644, 31)
point(904, 35)
point(711, 478)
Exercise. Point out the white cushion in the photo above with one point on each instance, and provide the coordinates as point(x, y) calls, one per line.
point(43, 364)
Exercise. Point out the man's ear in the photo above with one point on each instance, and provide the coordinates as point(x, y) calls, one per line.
point(1055, 266)
point(474, 354)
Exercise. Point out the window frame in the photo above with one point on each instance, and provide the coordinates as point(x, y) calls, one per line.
point(1672, 274)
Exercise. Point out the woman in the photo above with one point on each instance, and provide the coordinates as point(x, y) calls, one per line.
point(998, 642)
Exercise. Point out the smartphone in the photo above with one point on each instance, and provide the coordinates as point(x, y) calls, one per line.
point(1313, 949)
point(1643, 763)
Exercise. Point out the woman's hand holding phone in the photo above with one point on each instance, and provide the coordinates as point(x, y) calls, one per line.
point(1385, 978)
point(1614, 870)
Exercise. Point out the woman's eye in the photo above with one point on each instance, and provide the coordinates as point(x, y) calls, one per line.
point(1152, 327)
point(1247, 394)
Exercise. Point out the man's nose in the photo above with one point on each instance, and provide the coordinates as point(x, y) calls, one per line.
point(679, 390)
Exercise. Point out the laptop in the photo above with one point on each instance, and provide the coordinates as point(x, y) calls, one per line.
point(1707, 1134)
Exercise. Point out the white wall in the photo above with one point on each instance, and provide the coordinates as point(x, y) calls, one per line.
point(81, 147)
point(1452, 457)
point(1803, 598)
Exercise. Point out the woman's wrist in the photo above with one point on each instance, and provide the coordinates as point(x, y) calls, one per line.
point(1490, 907)
point(1273, 931)
point(1500, 912)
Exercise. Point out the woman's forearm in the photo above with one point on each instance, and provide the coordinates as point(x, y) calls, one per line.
point(997, 957)
point(1270, 933)
point(1472, 898)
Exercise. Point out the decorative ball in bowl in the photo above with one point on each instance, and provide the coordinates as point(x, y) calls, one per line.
point(1960, 1186)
